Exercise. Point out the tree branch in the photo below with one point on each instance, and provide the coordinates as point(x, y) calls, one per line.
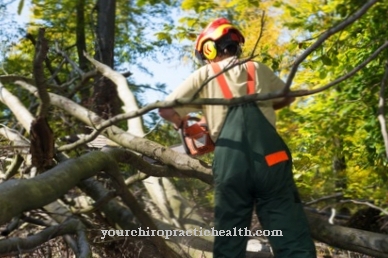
point(135, 124)
point(41, 49)
point(325, 36)
point(130, 200)
point(21, 113)
point(367, 204)
point(148, 148)
point(71, 226)
point(138, 162)
point(344, 77)
point(47, 187)
point(324, 198)
point(262, 24)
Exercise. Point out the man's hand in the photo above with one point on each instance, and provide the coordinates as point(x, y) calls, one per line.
point(171, 115)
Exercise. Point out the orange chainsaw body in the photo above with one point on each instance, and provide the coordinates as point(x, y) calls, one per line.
point(195, 136)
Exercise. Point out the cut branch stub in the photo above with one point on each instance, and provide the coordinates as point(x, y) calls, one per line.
point(42, 144)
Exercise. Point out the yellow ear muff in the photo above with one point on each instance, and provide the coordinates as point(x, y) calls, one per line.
point(209, 50)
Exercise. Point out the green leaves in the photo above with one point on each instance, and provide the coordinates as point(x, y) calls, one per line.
point(164, 36)
point(326, 60)
point(20, 7)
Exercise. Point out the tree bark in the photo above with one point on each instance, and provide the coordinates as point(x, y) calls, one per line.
point(72, 226)
point(47, 187)
point(81, 47)
point(356, 240)
point(105, 99)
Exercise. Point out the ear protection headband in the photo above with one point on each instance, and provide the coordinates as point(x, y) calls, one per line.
point(210, 48)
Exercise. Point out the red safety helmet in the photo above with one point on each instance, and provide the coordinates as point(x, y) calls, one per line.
point(205, 46)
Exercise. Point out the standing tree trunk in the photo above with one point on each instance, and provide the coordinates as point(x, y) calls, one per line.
point(106, 101)
point(81, 48)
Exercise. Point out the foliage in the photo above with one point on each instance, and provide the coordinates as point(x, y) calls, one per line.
point(347, 112)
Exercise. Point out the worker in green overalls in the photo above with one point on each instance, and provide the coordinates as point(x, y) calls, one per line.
point(252, 165)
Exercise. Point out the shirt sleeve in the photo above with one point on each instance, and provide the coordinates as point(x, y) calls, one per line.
point(274, 82)
point(187, 90)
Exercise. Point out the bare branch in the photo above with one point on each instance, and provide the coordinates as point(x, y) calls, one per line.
point(141, 164)
point(85, 78)
point(344, 77)
point(325, 36)
point(10, 78)
point(136, 178)
point(67, 58)
point(130, 200)
point(367, 204)
point(16, 244)
point(262, 25)
point(381, 115)
point(135, 124)
point(21, 113)
point(83, 244)
point(324, 198)
point(14, 167)
point(41, 49)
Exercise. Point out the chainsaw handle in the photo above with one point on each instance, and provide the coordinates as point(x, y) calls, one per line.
point(189, 118)
point(193, 118)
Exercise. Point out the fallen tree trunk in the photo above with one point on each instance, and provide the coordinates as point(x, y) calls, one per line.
point(47, 187)
point(361, 241)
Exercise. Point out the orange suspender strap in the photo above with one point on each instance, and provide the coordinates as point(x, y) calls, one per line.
point(251, 78)
point(222, 81)
point(224, 85)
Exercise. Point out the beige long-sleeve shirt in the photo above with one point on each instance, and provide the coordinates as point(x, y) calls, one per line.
point(265, 81)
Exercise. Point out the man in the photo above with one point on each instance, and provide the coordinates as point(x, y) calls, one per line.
point(252, 165)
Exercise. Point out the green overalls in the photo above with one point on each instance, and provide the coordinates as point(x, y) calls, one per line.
point(253, 166)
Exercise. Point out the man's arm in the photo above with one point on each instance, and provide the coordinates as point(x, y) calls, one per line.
point(283, 103)
point(171, 115)
point(275, 84)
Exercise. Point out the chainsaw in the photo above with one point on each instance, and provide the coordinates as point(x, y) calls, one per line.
point(195, 136)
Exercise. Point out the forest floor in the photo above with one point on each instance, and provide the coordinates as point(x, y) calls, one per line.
point(323, 250)
point(136, 247)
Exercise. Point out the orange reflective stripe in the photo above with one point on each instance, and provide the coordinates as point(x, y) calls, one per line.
point(251, 78)
point(276, 157)
point(222, 81)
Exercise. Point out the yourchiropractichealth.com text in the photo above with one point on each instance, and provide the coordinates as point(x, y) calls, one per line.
point(189, 232)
